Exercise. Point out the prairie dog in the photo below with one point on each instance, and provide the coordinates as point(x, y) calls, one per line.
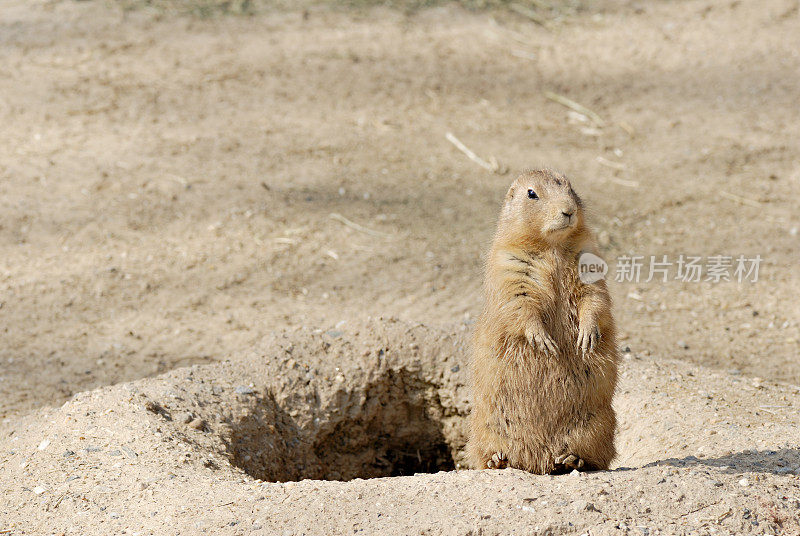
point(544, 363)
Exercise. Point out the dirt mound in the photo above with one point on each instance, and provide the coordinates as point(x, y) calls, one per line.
point(216, 446)
point(382, 399)
point(389, 399)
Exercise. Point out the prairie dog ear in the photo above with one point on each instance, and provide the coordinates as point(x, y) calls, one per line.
point(507, 210)
point(510, 194)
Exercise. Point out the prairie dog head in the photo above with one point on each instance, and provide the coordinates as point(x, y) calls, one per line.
point(542, 208)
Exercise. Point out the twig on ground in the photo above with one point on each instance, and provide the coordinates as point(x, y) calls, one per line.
point(572, 105)
point(493, 166)
point(627, 128)
point(503, 32)
point(624, 182)
point(177, 178)
point(518, 53)
point(415, 326)
point(353, 225)
point(700, 508)
point(58, 502)
point(529, 13)
point(723, 516)
point(631, 455)
point(739, 199)
point(613, 165)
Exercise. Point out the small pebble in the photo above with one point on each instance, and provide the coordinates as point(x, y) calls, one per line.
point(38, 490)
point(744, 482)
point(44, 444)
point(244, 390)
point(198, 424)
point(583, 506)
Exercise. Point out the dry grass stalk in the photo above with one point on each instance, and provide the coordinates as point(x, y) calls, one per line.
point(609, 163)
point(572, 105)
point(529, 13)
point(739, 199)
point(353, 225)
point(624, 182)
point(492, 166)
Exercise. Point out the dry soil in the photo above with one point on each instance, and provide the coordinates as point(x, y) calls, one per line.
point(210, 192)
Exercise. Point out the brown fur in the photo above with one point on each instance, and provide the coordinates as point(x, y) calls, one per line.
point(532, 407)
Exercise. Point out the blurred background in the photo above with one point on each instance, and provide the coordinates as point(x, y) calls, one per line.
point(179, 178)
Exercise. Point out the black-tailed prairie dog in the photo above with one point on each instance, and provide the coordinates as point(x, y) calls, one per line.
point(544, 364)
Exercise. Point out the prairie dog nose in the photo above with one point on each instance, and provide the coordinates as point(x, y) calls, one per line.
point(568, 213)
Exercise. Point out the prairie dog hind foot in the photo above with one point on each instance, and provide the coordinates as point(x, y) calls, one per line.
point(568, 462)
point(497, 461)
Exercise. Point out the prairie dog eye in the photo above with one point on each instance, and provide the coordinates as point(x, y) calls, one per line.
point(532, 194)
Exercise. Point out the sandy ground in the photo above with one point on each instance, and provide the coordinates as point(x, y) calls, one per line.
point(166, 191)
point(223, 448)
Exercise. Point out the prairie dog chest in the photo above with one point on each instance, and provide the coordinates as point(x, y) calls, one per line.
point(550, 278)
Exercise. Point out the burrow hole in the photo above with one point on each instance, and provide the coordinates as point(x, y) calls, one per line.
point(392, 427)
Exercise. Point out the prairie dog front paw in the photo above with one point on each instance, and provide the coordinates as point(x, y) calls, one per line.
point(538, 338)
point(588, 336)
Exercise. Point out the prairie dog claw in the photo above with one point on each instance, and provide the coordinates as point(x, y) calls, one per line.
point(538, 338)
point(588, 336)
point(569, 461)
point(498, 461)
